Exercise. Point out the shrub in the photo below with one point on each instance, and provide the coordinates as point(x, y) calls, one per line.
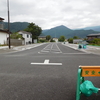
point(52, 40)
point(42, 40)
point(70, 40)
point(95, 41)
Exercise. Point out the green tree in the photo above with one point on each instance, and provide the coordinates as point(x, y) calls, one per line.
point(34, 29)
point(70, 40)
point(16, 36)
point(48, 37)
point(52, 40)
point(95, 41)
point(75, 37)
point(61, 39)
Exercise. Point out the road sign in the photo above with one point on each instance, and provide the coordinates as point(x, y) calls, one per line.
point(90, 71)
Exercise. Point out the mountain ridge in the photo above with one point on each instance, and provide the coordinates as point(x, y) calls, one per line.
point(16, 26)
point(56, 31)
point(67, 32)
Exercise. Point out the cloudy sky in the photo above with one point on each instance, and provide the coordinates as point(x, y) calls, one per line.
point(50, 13)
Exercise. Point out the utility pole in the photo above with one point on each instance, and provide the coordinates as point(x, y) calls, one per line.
point(8, 23)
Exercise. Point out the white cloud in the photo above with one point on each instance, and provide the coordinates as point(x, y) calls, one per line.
point(51, 13)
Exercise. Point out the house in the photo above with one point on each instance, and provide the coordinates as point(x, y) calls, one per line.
point(90, 37)
point(55, 39)
point(3, 33)
point(1, 23)
point(77, 41)
point(41, 37)
point(27, 36)
point(3, 36)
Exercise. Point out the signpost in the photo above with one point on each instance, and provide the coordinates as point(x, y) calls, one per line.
point(86, 71)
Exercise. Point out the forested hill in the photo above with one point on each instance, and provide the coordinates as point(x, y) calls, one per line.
point(16, 26)
point(68, 33)
point(53, 32)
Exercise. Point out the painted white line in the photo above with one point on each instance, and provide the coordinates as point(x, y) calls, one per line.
point(46, 62)
point(58, 48)
point(51, 47)
point(46, 48)
point(77, 53)
point(44, 51)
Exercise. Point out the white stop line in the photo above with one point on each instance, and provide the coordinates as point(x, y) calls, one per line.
point(46, 62)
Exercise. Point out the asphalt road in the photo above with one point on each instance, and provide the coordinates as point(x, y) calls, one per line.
point(47, 72)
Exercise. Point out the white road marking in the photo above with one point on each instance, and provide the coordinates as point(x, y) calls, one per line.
point(58, 48)
point(46, 62)
point(53, 48)
point(77, 53)
point(45, 51)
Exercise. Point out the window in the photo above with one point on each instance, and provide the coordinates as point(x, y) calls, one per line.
point(27, 36)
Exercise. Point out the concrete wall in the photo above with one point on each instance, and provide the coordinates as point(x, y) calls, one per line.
point(16, 42)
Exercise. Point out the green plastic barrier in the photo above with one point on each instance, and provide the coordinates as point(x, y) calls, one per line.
point(80, 46)
point(84, 46)
point(86, 87)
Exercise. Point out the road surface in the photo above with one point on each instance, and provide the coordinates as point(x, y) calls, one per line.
point(46, 72)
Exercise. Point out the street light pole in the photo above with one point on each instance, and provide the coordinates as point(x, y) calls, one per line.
point(8, 23)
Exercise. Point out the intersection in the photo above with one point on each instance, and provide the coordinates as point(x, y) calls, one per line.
point(35, 74)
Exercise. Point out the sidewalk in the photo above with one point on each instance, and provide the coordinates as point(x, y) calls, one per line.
point(5, 49)
point(89, 49)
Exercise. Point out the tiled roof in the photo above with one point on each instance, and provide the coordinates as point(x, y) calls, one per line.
point(1, 18)
point(42, 36)
point(25, 32)
point(94, 34)
point(4, 31)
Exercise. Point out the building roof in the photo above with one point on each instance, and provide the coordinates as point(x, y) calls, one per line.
point(24, 32)
point(5, 31)
point(77, 39)
point(42, 36)
point(1, 18)
point(93, 35)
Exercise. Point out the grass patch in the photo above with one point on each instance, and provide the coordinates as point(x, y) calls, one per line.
point(94, 44)
point(3, 45)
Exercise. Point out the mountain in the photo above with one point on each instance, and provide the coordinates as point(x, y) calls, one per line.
point(81, 33)
point(16, 26)
point(95, 28)
point(68, 33)
point(56, 31)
